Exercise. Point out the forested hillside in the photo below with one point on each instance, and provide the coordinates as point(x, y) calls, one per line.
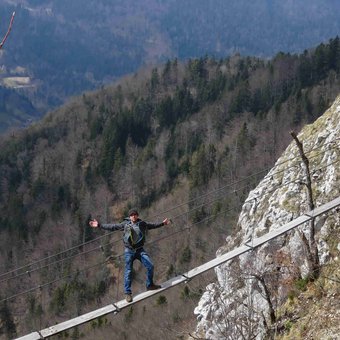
point(60, 48)
point(187, 141)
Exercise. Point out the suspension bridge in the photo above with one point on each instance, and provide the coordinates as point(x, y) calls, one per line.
point(118, 306)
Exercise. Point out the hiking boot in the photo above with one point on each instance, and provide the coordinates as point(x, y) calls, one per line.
point(153, 287)
point(128, 297)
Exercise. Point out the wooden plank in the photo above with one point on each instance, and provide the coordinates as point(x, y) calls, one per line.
point(31, 336)
point(117, 307)
point(216, 261)
point(279, 231)
point(325, 207)
point(263, 239)
point(77, 321)
point(295, 223)
point(114, 308)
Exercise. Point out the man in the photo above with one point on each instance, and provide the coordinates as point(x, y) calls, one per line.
point(134, 238)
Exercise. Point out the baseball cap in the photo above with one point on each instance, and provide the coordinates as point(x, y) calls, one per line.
point(133, 212)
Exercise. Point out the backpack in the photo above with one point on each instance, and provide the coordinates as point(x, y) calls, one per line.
point(133, 236)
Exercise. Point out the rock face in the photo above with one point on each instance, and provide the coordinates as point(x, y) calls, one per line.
point(248, 291)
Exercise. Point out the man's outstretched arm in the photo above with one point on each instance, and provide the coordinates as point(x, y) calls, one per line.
point(166, 221)
point(107, 226)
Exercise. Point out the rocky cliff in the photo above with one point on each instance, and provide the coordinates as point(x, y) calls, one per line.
point(247, 298)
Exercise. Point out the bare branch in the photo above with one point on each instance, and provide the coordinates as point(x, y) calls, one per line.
point(8, 31)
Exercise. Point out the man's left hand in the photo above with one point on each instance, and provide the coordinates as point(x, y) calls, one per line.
point(167, 221)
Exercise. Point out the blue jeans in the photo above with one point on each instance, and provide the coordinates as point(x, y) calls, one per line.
point(141, 255)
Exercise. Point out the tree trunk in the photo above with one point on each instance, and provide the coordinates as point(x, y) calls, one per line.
point(311, 246)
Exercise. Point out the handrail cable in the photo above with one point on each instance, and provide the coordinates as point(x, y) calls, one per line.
point(177, 206)
point(96, 248)
point(164, 237)
point(110, 258)
point(116, 241)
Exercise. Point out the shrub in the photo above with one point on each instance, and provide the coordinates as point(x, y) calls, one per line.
point(301, 284)
point(161, 300)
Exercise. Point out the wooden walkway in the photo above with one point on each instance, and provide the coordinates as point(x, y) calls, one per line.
point(116, 307)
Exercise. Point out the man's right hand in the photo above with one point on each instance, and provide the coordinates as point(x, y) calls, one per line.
point(94, 224)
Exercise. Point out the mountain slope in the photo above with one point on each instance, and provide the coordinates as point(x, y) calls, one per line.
point(186, 141)
point(281, 265)
point(65, 47)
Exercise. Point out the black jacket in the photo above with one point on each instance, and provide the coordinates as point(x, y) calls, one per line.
point(134, 233)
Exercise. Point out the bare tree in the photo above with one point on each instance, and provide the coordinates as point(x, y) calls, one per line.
point(310, 245)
